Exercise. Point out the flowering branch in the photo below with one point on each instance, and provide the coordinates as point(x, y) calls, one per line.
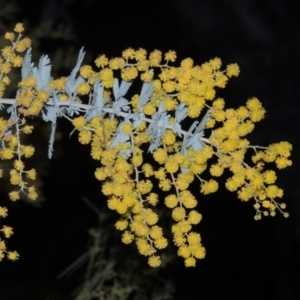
point(117, 127)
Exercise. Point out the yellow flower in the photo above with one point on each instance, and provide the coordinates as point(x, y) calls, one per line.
point(139, 227)
point(149, 109)
point(169, 137)
point(242, 112)
point(19, 165)
point(154, 261)
point(12, 255)
point(14, 195)
point(190, 262)
point(86, 71)
point(194, 238)
point(282, 162)
point(257, 114)
point(63, 97)
point(160, 156)
point(7, 153)
point(245, 194)
point(127, 128)
point(169, 86)
point(171, 201)
point(128, 53)
point(147, 76)
point(84, 137)
point(184, 251)
point(19, 28)
point(156, 232)
point(7, 231)
point(216, 170)
point(151, 217)
point(83, 88)
point(9, 36)
point(194, 217)
point(144, 186)
point(253, 104)
point(215, 63)
point(106, 74)
point(171, 166)
point(78, 122)
point(188, 200)
point(199, 252)
point(137, 160)
point(165, 185)
point(15, 177)
point(152, 199)
point(17, 61)
point(3, 211)
point(2, 245)
point(147, 169)
point(58, 84)
point(101, 61)
point(170, 104)
point(28, 82)
point(27, 129)
point(178, 213)
point(273, 191)
point(269, 177)
point(100, 174)
point(31, 174)
point(22, 45)
point(209, 187)
point(130, 73)
point(155, 58)
point(140, 54)
point(5, 68)
point(32, 194)
point(121, 224)
point(232, 70)
point(116, 63)
point(170, 56)
point(27, 151)
point(187, 64)
point(161, 243)
point(7, 52)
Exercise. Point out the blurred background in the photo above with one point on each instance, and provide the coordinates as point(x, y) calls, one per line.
point(71, 226)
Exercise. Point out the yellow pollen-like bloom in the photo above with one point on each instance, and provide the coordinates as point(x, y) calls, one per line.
point(232, 70)
point(154, 261)
point(86, 71)
point(83, 88)
point(19, 28)
point(13, 255)
point(170, 56)
point(19, 165)
point(209, 187)
point(128, 53)
point(14, 195)
point(9, 36)
point(101, 61)
point(7, 231)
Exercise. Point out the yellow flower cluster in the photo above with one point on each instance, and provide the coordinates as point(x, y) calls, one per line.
point(131, 197)
point(9, 57)
point(128, 182)
point(12, 148)
point(230, 147)
point(7, 232)
point(29, 102)
point(118, 137)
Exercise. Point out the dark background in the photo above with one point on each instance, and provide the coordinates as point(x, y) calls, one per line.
point(245, 259)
